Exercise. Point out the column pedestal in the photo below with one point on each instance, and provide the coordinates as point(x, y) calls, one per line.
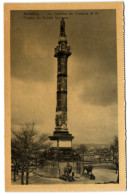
point(61, 139)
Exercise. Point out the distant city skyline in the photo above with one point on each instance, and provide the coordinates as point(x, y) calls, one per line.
point(92, 73)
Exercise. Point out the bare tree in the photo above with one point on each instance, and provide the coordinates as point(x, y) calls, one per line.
point(26, 146)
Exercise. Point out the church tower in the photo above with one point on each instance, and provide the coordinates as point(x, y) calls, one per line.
point(61, 136)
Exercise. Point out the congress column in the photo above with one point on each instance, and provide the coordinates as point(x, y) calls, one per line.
point(61, 136)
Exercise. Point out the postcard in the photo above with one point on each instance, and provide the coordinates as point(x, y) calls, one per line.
point(64, 97)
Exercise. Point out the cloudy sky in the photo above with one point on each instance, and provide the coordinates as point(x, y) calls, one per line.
point(92, 72)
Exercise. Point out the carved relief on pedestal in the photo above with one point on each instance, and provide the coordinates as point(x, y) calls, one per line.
point(61, 120)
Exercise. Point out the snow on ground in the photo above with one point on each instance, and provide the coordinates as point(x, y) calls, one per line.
point(102, 176)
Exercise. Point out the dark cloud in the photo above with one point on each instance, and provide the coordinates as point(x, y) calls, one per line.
point(94, 60)
point(31, 50)
point(102, 92)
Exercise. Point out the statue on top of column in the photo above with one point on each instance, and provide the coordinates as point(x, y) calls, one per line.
point(62, 27)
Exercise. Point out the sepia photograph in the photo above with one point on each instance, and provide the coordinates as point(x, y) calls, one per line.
point(64, 97)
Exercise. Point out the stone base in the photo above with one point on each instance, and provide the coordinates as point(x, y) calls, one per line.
point(61, 143)
point(63, 135)
point(62, 146)
point(61, 139)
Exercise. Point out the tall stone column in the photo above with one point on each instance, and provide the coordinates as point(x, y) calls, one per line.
point(62, 52)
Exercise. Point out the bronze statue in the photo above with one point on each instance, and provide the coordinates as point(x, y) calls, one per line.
point(62, 27)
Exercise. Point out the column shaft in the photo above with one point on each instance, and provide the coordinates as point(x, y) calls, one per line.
point(61, 109)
